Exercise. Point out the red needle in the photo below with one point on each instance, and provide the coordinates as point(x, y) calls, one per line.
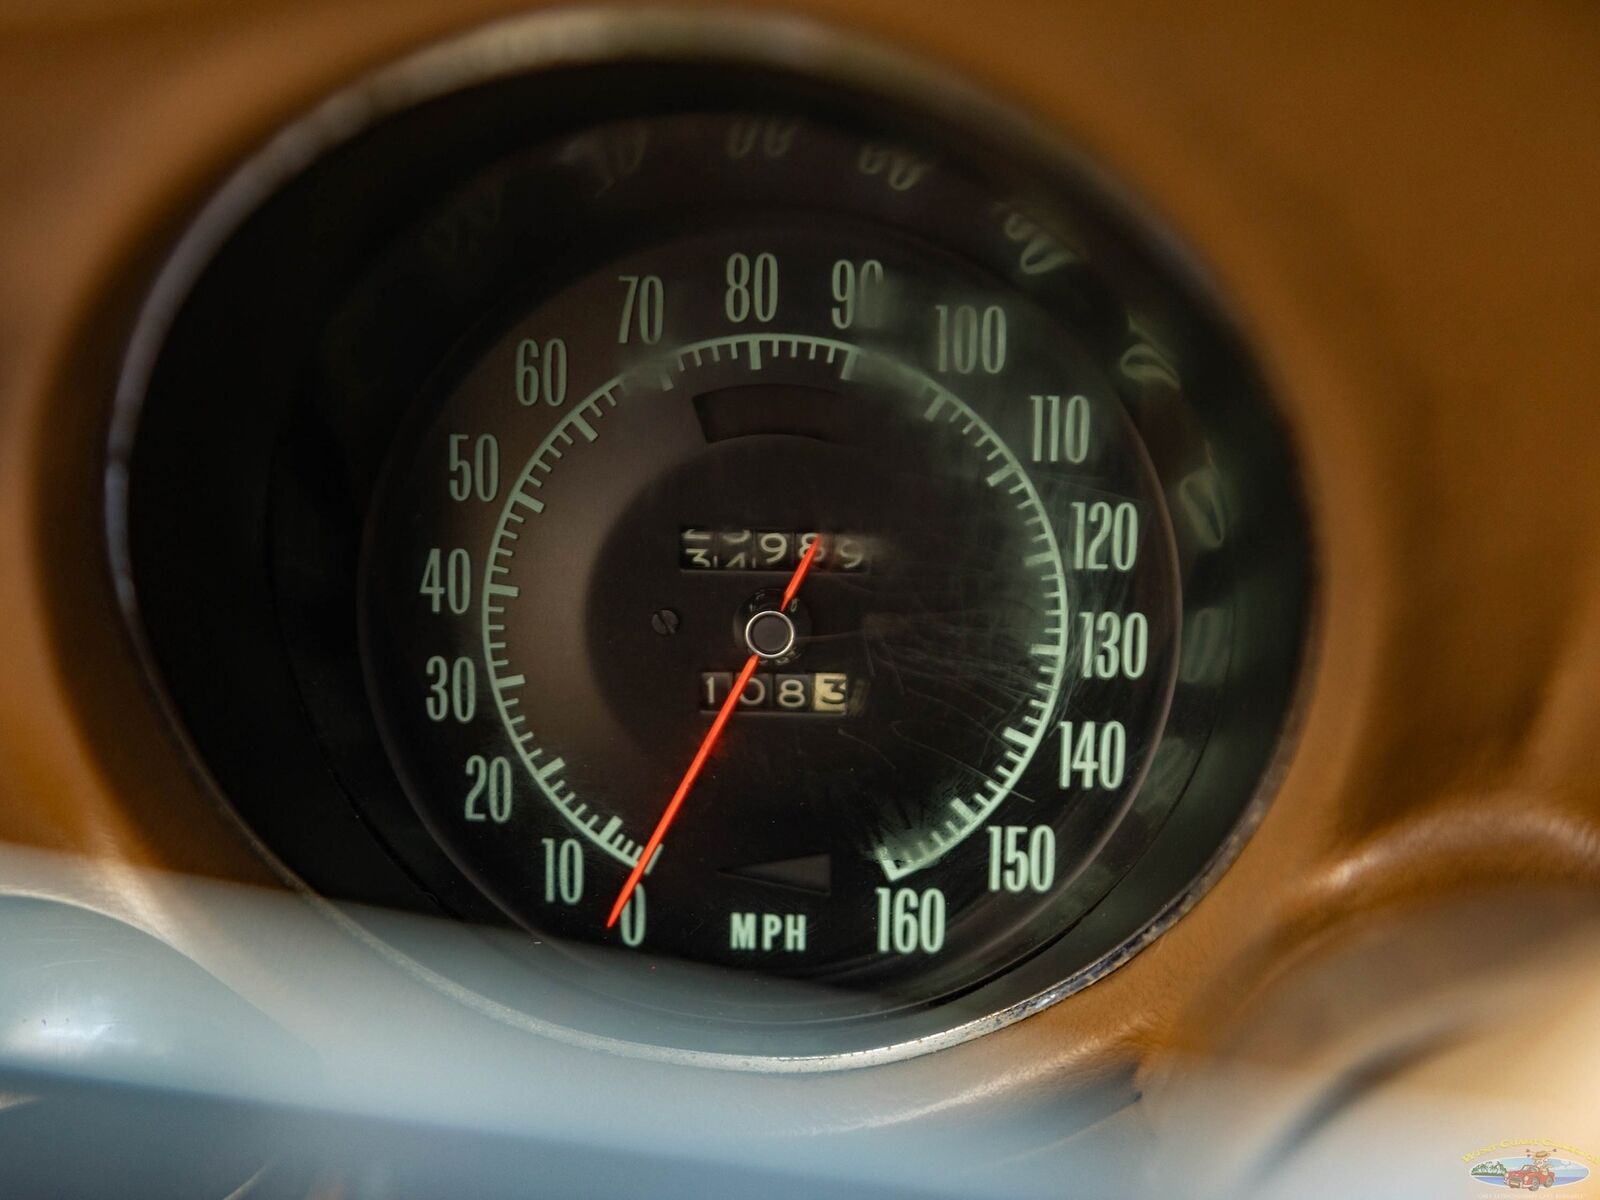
point(710, 740)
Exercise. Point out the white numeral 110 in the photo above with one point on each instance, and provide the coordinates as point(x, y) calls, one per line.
point(1060, 429)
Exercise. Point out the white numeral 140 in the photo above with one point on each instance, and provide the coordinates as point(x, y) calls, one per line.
point(1094, 754)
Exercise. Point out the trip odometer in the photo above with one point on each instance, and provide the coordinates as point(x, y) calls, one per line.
point(785, 563)
point(920, 748)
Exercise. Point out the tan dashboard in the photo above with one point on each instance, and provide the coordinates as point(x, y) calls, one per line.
point(1399, 204)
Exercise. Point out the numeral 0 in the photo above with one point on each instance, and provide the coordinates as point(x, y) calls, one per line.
point(631, 923)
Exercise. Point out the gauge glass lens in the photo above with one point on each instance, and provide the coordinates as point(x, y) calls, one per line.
point(787, 566)
point(588, 531)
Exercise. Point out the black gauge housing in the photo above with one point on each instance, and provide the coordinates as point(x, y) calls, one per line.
point(330, 317)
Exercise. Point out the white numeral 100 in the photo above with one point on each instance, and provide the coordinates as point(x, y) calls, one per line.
point(910, 921)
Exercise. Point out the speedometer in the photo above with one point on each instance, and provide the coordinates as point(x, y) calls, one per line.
point(586, 575)
point(786, 554)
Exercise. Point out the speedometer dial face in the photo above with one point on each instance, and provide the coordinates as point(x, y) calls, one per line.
point(802, 572)
point(589, 536)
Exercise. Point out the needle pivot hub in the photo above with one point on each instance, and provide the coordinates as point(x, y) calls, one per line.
point(771, 629)
point(770, 635)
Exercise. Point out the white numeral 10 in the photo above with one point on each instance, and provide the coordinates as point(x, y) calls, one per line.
point(910, 921)
point(1021, 859)
point(1094, 754)
point(563, 870)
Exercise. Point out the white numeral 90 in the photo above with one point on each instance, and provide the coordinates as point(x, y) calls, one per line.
point(858, 293)
point(969, 339)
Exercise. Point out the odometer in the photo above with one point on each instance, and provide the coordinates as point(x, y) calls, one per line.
point(796, 566)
